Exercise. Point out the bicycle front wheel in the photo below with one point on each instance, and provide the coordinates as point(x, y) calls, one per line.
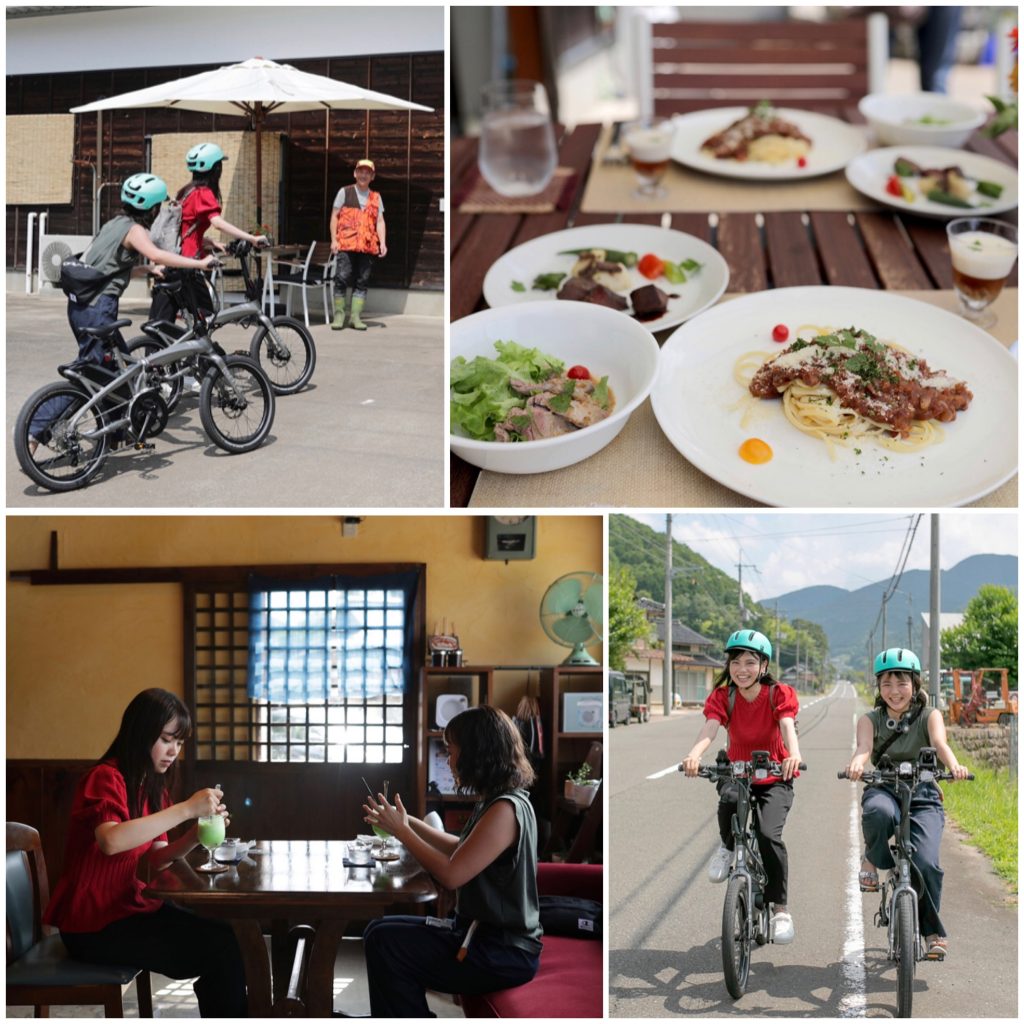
point(736, 937)
point(287, 355)
point(237, 414)
point(906, 953)
point(55, 454)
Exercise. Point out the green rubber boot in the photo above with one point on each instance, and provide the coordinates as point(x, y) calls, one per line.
point(340, 311)
point(357, 307)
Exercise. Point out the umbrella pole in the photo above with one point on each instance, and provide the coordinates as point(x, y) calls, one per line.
point(259, 169)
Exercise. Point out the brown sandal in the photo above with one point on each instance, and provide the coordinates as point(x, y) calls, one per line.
point(937, 948)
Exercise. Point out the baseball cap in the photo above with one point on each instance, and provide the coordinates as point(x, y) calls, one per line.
point(366, 163)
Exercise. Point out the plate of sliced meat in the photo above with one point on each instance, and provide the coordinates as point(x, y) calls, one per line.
point(655, 275)
point(765, 143)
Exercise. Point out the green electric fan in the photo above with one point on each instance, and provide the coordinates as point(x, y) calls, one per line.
point(572, 614)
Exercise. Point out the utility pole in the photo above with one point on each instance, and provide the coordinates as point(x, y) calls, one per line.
point(778, 644)
point(741, 565)
point(935, 613)
point(666, 675)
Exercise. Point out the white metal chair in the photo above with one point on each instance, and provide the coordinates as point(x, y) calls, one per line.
point(315, 272)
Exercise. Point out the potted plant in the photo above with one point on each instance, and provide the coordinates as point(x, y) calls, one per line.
point(580, 788)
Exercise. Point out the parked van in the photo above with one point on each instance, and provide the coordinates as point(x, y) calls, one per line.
point(619, 699)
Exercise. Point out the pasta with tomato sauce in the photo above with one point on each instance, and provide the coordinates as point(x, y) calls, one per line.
point(845, 386)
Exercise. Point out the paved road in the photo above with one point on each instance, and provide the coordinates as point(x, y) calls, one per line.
point(368, 432)
point(665, 923)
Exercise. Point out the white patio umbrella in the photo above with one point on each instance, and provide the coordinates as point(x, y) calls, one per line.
point(256, 87)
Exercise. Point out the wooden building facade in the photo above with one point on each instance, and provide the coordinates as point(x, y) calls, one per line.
point(319, 150)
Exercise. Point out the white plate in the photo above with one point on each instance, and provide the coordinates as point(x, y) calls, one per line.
point(834, 144)
point(870, 172)
point(541, 256)
point(695, 390)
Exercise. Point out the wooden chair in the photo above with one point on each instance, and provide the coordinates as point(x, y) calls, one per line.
point(314, 273)
point(40, 972)
point(693, 65)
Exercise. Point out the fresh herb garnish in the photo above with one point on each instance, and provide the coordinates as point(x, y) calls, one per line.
point(601, 393)
point(560, 402)
point(518, 286)
point(547, 282)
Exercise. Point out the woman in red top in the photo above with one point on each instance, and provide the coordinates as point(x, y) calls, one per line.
point(119, 819)
point(761, 718)
point(201, 210)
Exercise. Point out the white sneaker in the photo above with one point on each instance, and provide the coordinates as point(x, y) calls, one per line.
point(721, 862)
point(194, 385)
point(782, 928)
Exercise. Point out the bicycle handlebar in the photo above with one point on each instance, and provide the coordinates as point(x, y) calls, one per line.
point(740, 769)
point(894, 775)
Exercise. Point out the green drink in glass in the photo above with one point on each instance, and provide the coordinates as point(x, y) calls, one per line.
point(210, 832)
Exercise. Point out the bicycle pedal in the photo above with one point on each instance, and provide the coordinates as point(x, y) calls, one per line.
point(143, 446)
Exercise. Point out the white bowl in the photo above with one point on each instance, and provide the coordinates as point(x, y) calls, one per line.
point(604, 340)
point(895, 119)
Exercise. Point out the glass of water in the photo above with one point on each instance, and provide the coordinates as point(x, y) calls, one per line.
point(517, 139)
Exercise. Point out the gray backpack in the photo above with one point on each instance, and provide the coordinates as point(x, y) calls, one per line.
point(165, 232)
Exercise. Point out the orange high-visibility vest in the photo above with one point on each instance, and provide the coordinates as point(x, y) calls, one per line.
point(356, 230)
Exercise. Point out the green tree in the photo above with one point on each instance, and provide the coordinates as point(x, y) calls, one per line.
point(626, 621)
point(987, 638)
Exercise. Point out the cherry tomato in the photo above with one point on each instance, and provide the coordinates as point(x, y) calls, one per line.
point(651, 267)
point(801, 161)
point(578, 373)
point(780, 332)
point(893, 186)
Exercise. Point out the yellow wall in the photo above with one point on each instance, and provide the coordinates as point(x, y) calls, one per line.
point(77, 654)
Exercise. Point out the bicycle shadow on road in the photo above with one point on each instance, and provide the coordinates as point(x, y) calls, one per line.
point(689, 983)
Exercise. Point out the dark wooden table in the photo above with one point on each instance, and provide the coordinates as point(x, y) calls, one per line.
point(868, 249)
point(293, 882)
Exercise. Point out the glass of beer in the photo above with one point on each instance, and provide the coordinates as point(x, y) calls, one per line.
point(517, 154)
point(983, 252)
point(649, 145)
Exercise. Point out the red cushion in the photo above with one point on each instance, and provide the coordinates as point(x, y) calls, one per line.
point(568, 983)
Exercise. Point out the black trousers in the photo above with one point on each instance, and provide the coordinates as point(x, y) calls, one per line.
point(405, 956)
point(353, 270)
point(176, 943)
point(771, 805)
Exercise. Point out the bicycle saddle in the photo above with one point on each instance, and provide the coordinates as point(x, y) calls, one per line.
point(107, 329)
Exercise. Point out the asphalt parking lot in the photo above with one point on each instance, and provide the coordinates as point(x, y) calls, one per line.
point(367, 432)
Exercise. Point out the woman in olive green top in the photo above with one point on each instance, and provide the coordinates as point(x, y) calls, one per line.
point(493, 941)
point(900, 724)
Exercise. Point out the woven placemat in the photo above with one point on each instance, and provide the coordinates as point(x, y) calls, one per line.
point(478, 197)
point(642, 469)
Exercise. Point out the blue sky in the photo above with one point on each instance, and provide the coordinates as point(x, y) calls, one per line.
point(794, 549)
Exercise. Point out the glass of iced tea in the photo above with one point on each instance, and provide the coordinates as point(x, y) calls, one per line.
point(983, 252)
point(649, 145)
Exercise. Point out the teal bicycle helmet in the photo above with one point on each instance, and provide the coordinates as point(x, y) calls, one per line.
point(204, 157)
point(143, 191)
point(750, 640)
point(896, 659)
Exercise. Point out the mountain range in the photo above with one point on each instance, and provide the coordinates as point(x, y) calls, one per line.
point(848, 615)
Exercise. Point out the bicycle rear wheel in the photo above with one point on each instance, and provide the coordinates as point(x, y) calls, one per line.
point(736, 937)
point(237, 420)
point(287, 359)
point(906, 953)
point(60, 457)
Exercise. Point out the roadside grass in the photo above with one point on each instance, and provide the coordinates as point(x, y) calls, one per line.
point(986, 809)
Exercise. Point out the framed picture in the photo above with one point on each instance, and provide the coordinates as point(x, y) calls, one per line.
point(438, 771)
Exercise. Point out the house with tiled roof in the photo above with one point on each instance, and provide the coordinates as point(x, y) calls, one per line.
point(694, 663)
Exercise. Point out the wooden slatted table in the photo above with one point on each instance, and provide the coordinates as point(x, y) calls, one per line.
point(865, 249)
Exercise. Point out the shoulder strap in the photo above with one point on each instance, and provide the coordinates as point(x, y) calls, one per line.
point(877, 755)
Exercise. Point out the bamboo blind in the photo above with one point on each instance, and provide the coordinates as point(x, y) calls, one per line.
point(40, 148)
point(238, 179)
